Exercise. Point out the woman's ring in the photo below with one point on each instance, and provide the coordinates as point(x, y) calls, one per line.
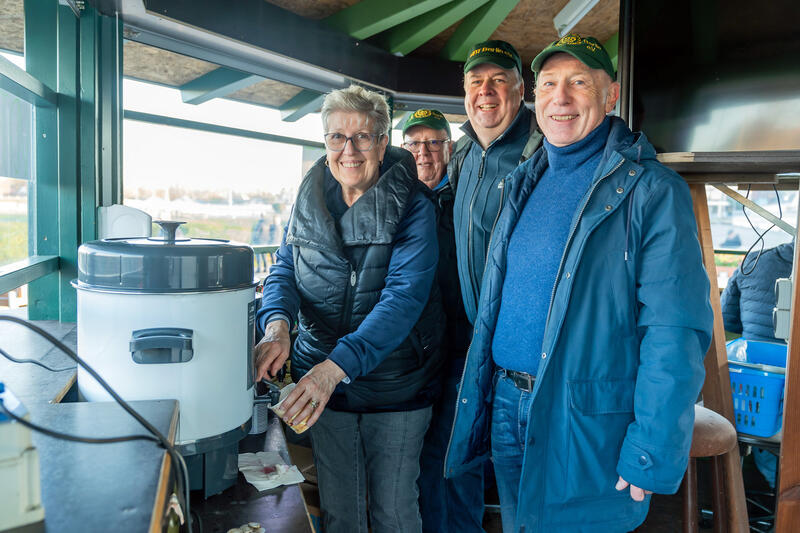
point(314, 404)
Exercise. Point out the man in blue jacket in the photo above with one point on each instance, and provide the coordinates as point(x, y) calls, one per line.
point(593, 320)
point(500, 134)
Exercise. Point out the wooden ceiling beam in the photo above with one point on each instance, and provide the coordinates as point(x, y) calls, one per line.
point(406, 38)
point(216, 84)
point(477, 27)
point(370, 17)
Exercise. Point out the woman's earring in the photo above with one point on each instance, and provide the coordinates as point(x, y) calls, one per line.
point(326, 162)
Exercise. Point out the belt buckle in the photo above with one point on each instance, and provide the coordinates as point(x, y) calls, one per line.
point(522, 380)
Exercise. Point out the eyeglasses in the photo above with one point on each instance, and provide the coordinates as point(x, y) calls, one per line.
point(434, 145)
point(362, 142)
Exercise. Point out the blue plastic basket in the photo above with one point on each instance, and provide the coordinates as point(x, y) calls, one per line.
point(757, 370)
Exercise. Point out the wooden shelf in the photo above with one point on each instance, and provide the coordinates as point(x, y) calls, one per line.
point(761, 162)
point(759, 167)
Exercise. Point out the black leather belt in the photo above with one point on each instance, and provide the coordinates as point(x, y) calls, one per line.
point(522, 380)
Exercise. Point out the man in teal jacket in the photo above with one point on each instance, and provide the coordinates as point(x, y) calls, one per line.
point(593, 320)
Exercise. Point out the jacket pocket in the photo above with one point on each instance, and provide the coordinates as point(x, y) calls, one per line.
point(596, 397)
point(599, 415)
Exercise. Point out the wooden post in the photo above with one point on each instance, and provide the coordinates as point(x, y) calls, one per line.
point(717, 387)
point(789, 489)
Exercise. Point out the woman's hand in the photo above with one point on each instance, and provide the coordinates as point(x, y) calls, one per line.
point(273, 350)
point(311, 395)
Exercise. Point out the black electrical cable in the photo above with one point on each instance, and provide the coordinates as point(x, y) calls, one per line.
point(75, 438)
point(34, 362)
point(760, 238)
point(181, 480)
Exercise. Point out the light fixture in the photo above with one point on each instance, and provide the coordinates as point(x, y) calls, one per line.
point(572, 13)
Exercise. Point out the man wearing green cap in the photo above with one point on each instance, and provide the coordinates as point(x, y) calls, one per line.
point(453, 504)
point(500, 134)
point(587, 355)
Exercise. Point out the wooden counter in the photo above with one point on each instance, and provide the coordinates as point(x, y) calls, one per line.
point(281, 509)
point(87, 487)
point(123, 487)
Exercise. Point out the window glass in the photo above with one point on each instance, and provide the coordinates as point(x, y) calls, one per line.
point(14, 299)
point(16, 178)
point(14, 225)
point(221, 185)
point(160, 100)
point(731, 230)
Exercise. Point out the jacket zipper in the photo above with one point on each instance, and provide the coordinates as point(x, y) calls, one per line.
point(348, 303)
point(464, 370)
point(569, 238)
point(469, 229)
point(502, 188)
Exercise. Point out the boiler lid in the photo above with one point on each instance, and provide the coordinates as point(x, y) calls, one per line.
point(164, 264)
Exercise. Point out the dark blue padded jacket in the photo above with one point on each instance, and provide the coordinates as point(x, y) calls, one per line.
point(748, 301)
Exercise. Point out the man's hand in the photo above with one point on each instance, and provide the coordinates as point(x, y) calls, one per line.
point(272, 351)
point(308, 399)
point(636, 493)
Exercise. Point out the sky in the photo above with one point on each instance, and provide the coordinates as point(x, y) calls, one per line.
point(155, 155)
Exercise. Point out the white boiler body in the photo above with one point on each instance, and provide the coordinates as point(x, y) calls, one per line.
point(214, 388)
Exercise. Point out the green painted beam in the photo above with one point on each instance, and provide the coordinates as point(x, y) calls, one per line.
point(108, 103)
point(477, 27)
point(22, 85)
point(612, 47)
point(400, 119)
point(26, 271)
point(407, 37)
point(216, 84)
point(265, 248)
point(68, 135)
point(87, 154)
point(300, 105)
point(370, 17)
point(215, 128)
point(41, 61)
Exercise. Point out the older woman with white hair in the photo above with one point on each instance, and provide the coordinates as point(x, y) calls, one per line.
point(355, 271)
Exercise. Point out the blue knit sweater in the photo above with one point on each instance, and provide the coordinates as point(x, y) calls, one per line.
point(536, 247)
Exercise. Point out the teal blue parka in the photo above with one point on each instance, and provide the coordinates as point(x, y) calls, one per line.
point(622, 359)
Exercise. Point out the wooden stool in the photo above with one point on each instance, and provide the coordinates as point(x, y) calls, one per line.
point(713, 436)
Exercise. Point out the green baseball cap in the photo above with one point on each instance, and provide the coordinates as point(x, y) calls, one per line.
point(498, 53)
point(431, 118)
point(587, 50)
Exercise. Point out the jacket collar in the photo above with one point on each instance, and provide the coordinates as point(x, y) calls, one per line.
point(517, 127)
point(372, 219)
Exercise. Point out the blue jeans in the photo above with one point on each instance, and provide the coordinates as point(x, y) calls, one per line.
point(767, 464)
point(447, 504)
point(510, 410)
point(375, 455)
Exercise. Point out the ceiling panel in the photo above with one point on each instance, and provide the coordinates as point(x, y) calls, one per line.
point(12, 32)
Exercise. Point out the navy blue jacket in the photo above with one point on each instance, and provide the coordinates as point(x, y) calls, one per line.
point(361, 289)
point(747, 301)
point(621, 363)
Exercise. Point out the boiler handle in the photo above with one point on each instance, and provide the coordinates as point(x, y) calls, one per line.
point(161, 345)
